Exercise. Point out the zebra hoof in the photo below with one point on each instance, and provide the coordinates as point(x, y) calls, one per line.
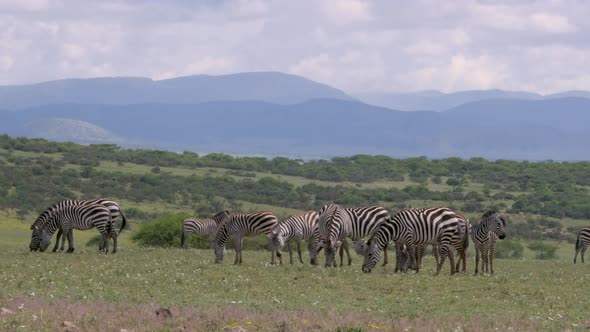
point(71, 250)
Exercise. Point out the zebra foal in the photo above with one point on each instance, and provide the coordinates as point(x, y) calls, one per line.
point(240, 225)
point(483, 234)
point(204, 227)
point(299, 227)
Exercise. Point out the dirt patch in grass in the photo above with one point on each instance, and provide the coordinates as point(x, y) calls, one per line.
point(34, 314)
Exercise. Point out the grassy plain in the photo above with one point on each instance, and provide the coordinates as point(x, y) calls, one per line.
point(123, 291)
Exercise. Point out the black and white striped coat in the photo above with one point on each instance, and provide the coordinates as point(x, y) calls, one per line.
point(204, 227)
point(240, 225)
point(460, 243)
point(413, 227)
point(336, 224)
point(483, 234)
point(40, 222)
point(81, 217)
point(582, 242)
point(299, 227)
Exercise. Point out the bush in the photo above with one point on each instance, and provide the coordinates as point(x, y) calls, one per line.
point(508, 249)
point(543, 250)
point(165, 232)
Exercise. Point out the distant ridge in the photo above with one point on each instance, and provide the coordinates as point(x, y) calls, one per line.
point(557, 129)
point(438, 101)
point(265, 86)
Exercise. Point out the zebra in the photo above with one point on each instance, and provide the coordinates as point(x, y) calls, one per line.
point(582, 242)
point(240, 225)
point(483, 234)
point(412, 227)
point(39, 223)
point(299, 227)
point(205, 227)
point(460, 243)
point(82, 217)
point(337, 223)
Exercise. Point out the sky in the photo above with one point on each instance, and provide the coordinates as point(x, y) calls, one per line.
point(354, 45)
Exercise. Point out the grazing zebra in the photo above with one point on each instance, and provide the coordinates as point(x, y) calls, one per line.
point(412, 227)
point(491, 222)
point(337, 223)
point(81, 217)
point(300, 227)
point(582, 242)
point(205, 227)
point(39, 223)
point(240, 225)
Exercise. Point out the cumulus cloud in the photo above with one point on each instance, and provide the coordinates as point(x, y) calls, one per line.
point(354, 45)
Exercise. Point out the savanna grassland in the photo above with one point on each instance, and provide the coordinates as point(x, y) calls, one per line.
point(124, 291)
point(546, 202)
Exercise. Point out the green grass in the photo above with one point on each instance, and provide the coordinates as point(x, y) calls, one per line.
point(522, 295)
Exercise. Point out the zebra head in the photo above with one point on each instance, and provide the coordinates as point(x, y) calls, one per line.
point(372, 256)
point(331, 247)
point(45, 239)
point(497, 223)
point(35, 237)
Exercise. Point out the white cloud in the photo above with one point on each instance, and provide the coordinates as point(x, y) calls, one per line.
point(354, 45)
point(552, 23)
point(345, 11)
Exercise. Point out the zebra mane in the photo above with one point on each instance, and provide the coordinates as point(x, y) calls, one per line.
point(45, 215)
point(218, 215)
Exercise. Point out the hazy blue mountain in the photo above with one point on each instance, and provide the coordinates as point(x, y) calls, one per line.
point(514, 129)
point(266, 86)
point(438, 101)
point(68, 130)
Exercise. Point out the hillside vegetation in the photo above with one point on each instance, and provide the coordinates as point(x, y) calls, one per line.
point(545, 200)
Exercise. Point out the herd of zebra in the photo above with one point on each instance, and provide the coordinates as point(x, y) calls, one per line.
point(371, 230)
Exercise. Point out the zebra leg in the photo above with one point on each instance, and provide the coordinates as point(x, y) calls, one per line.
point(576, 255)
point(290, 253)
point(238, 244)
point(412, 252)
point(114, 236)
point(299, 251)
point(452, 261)
point(398, 256)
point(70, 236)
point(444, 252)
point(385, 260)
point(583, 252)
point(491, 258)
point(435, 253)
point(347, 254)
point(486, 256)
point(59, 233)
point(476, 258)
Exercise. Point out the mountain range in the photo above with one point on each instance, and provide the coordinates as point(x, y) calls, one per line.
point(271, 113)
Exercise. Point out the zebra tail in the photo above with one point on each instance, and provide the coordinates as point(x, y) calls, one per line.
point(466, 240)
point(578, 243)
point(124, 221)
point(182, 237)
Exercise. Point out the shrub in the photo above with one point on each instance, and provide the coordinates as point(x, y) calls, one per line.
point(508, 249)
point(165, 232)
point(543, 250)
